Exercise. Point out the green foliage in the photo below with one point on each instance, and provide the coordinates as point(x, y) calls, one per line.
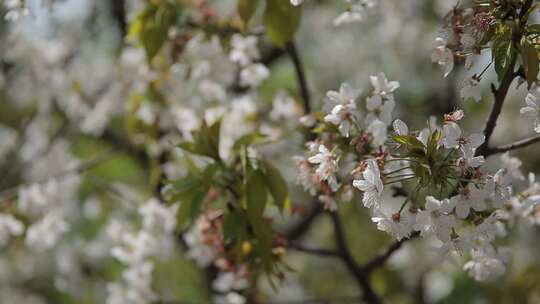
point(205, 142)
point(533, 30)
point(245, 185)
point(277, 186)
point(180, 279)
point(247, 140)
point(256, 196)
point(433, 142)
point(281, 20)
point(503, 55)
point(432, 164)
point(151, 27)
point(234, 226)
point(246, 9)
point(415, 148)
point(529, 56)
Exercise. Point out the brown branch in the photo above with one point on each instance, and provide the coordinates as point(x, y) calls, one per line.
point(513, 146)
point(502, 91)
point(333, 300)
point(300, 75)
point(12, 193)
point(316, 251)
point(268, 58)
point(329, 300)
point(303, 226)
point(118, 11)
point(361, 277)
point(381, 259)
point(499, 97)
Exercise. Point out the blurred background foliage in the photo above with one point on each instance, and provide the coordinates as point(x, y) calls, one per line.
point(396, 39)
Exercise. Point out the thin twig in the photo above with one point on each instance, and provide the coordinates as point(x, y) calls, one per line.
point(12, 193)
point(118, 10)
point(499, 97)
point(361, 277)
point(268, 58)
point(330, 300)
point(502, 91)
point(334, 300)
point(381, 259)
point(303, 226)
point(513, 146)
point(300, 75)
point(316, 251)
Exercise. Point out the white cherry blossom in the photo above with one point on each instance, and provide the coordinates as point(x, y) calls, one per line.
point(512, 166)
point(305, 175)
point(46, 233)
point(327, 166)
point(9, 226)
point(400, 127)
point(244, 49)
point(485, 264)
point(357, 12)
point(341, 116)
point(398, 225)
point(383, 87)
point(499, 188)
point(435, 219)
point(346, 95)
point(532, 108)
point(443, 56)
point(471, 90)
point(371, 185)
point(253, 75)
point(453, 138)
point(468, 198)
point(328, 202)
point(378, 130)
point(157, 216)
point(379, 109)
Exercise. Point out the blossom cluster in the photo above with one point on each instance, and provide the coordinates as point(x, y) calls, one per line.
point(199, 79)
point(450, 197)
point(357, 10)
point(206, 246)
point(532, 108)
point(135, 249)
point(15, 10)
point(463, 39)
point(48, 203)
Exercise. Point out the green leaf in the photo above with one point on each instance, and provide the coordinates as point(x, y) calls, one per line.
point(190, 207)
point(503, 54)
point(416, 153)
point(234, 226)
point(281, 20)
point(433, 141)
point(409, 140)
point(256, 195)
point(529, 56)
point(533, 29)
point(151, 27)
point(277, 186)
point(186, 184)
point(205, 141)
point(247, 140)
point(246, 9)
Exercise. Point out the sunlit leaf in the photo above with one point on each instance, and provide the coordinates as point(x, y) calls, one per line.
point(277, 186)
point(246, 9)
point(529, 56)
point(281, 20)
